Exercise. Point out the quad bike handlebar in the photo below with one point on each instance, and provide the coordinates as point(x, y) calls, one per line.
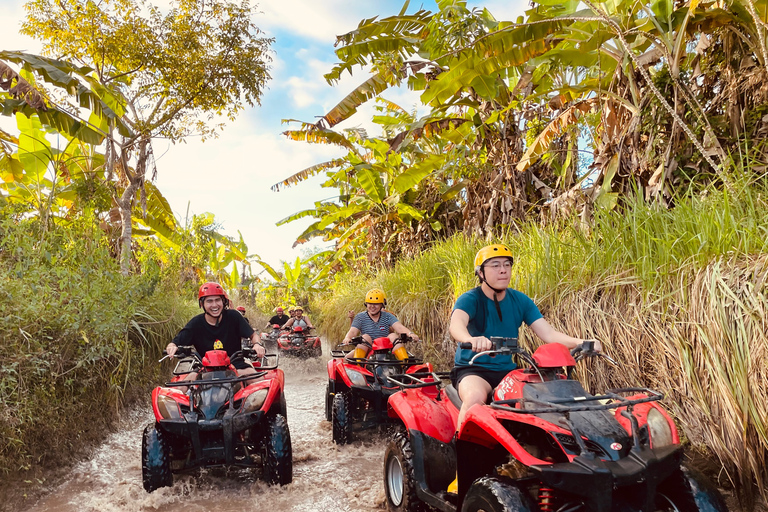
point(185, 351)
point(587, 349)
point(510, 346)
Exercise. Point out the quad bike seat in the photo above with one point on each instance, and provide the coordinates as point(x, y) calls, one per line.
point(453, 395)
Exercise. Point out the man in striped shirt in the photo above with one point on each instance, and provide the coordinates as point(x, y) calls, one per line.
point(374, 323)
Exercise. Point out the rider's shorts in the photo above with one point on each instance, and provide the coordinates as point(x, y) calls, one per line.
point(492, 377)
point(240, 363)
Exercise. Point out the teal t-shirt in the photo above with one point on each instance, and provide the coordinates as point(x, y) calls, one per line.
point(516, 308)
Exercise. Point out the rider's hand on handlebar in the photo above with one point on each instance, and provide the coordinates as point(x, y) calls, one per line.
point(259, 348)
point(480, 344)
point(171, 349)
point(597, 346)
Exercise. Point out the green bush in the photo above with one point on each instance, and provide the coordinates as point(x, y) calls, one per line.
point(79, 338)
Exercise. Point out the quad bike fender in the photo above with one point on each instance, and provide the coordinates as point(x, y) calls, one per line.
point(641, 411)
point(422, 413)
point(426, 367)
point(173, 393)
point(332, 364)
point(482, 427)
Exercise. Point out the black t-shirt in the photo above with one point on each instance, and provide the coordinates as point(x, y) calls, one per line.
point(279, 320)
point(202, 335)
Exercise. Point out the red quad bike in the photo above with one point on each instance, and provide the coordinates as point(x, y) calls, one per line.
point(358, 388)
point(269, 339)
point(299, 342)
point(542, 445)
point(218, 420)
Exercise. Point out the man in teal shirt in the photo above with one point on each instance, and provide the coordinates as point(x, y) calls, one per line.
point(504, 311)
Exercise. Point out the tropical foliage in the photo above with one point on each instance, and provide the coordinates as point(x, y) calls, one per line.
point(564, 111)
point(159, 73)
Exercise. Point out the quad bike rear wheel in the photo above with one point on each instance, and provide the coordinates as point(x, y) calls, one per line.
point(687, 490)
point(277, 452)
point(155, 459)
point(341, 418)
point(399, 479)
point(494, 494)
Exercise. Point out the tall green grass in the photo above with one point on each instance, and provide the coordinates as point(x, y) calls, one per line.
point(678, 295)
point(79, 339)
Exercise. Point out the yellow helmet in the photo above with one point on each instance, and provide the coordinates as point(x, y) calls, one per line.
point(375, 296)
point(491, 251)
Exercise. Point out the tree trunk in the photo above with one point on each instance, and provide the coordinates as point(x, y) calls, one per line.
point(125, 202)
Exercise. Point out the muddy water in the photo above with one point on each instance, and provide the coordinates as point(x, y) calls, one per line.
point(326, 478)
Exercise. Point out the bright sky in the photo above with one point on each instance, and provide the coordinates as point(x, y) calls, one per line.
point(232, 175)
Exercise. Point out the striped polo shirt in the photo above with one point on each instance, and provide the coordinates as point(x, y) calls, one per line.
point(366, 325)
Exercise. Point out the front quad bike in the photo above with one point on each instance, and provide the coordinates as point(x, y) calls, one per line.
point(542, 445)
point(358, 388)
point(299, 342)
point(218, 420)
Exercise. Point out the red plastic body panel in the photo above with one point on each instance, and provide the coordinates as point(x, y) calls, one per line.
point(383, 343)
point(420, 411)
point(171, 392)
point(641, 413)
point(298, 328)
point(216, 358)
point(274, 380)
point(481, 426)
point(553, 355)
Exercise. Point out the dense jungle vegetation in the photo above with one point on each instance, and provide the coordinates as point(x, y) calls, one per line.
point(617, 147)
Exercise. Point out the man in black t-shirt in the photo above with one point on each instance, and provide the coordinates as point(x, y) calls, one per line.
point(217, 328)
point(280, 318)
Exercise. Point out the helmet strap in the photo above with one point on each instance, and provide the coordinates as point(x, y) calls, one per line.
point(496, 292)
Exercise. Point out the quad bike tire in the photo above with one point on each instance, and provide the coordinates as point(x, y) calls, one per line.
point(399, 480)
point(494, 494)
point(342, 418)
point(317, 351)
point(277, 453)
point(328, 403)
point(155, 459)
point(283, 410)
point(687, 490)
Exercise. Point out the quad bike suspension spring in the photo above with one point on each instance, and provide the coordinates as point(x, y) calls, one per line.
point(546, 499)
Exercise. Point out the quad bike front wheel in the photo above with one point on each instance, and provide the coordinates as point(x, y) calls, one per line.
point(328, 403)
point(341, 418)
point(493, 494)
point(277, 452)
point(687, 490)
point(399, 479)
point(155, 459)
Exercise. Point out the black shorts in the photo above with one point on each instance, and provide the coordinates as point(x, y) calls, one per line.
point(492, 377)
point(240, 363)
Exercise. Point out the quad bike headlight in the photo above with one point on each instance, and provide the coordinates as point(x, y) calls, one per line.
point(661, 432)
point(168, 407)
point(255, 400)
point(357, 378)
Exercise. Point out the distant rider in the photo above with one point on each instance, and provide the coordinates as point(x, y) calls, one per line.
point(241, 309)
point(299, 320)
point(374, 323)
point(280, 318)
point(217, 328)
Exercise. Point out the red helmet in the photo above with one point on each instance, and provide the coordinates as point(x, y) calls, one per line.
point(279, 310)
point(212, 289)
point(241, 308)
